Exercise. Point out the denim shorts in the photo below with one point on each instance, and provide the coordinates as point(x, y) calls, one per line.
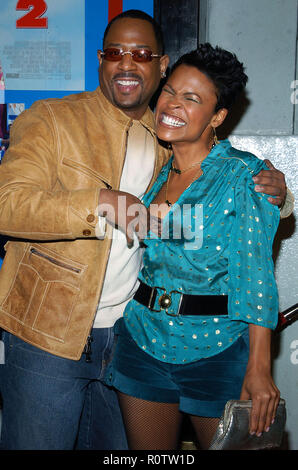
point(201, 388)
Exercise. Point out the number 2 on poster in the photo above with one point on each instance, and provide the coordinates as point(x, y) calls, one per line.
point(32, 19)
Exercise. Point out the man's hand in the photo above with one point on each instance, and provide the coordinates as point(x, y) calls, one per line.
point(125, 212)
point(273, 183)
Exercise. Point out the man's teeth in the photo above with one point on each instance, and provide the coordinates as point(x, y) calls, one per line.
point(127, 82)
point(170, 121)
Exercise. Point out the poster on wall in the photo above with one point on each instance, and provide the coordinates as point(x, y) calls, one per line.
point(48, 48)
point(42, 44)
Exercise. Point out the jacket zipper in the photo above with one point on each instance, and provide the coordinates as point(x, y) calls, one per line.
point(87, 348)
point(153, 177)
point(55, 261)
point(86, 171)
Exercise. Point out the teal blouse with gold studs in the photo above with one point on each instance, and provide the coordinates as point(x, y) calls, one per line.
point(216, 240)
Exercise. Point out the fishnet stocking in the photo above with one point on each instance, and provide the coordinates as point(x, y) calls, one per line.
point(150, 425)
point(155, 426)
point(205, 429)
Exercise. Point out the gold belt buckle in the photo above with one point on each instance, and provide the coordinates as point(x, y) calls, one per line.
point(165, 301)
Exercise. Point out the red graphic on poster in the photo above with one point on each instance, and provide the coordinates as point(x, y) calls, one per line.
point(115, 7)
point(32, 19)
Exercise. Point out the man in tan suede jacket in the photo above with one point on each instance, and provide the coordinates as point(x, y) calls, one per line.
point(66, 278)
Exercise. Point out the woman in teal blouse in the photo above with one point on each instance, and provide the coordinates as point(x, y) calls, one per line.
point(197, 332)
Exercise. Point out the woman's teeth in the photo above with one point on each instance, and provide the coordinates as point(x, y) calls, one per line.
point(171, 121)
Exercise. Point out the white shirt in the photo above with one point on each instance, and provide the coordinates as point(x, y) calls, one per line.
point(124, 263)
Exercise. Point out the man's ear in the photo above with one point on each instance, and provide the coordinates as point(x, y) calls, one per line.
point(99, 56)
point(163, 64)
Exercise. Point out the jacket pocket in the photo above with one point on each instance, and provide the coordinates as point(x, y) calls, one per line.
point(87, 172)
point(44, 291)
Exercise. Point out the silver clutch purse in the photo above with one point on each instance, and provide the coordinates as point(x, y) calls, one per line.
point(233, 429)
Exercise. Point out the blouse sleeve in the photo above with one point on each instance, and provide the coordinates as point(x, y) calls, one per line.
point(253, 296)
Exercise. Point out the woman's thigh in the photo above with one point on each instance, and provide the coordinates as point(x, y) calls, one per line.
point(150, 425)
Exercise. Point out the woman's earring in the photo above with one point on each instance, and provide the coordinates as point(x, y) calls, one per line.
point(215, 139)
point(163, 74)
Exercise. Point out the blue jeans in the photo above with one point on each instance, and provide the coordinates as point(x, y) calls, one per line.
point(52, 403)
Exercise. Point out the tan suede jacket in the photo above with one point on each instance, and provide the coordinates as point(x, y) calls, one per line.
point(62, 152)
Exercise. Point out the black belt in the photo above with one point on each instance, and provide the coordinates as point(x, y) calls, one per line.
point(211, 305)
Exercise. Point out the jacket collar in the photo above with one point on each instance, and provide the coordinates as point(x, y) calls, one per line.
point(114, 113)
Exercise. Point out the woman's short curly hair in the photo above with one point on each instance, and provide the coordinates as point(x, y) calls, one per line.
point(221, 67)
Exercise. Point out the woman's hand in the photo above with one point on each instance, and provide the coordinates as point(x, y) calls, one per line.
point(259, 387)
point(258, 384)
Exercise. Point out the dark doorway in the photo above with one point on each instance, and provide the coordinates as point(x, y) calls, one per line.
point(183, 24)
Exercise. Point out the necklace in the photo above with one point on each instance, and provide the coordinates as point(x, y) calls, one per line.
point(176, 170)
point(179, 172)
point(166, 191)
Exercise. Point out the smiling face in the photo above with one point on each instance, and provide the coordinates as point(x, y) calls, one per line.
point(185, 111)
point(127, 84)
